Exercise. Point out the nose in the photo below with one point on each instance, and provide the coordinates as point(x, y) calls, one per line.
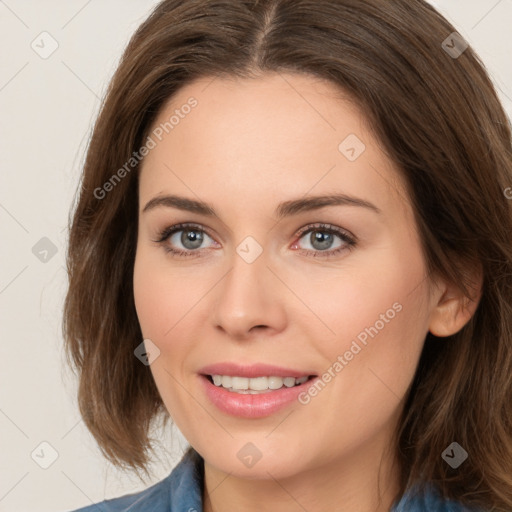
point(249, 300)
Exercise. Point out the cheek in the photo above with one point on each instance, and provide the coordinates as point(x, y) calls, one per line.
point(146, 296)
point(358, 299)
point(380, 339)
point(163, 295)
point(162, 299)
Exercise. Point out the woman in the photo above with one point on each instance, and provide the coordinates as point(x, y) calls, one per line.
point(293, 239)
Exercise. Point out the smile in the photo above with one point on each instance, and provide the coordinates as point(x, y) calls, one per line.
point(253, 403)
point(255, 385)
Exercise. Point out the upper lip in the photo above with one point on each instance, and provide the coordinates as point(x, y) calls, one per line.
point(253, 370)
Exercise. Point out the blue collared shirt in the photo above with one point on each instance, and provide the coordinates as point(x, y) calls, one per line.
point(181, 491)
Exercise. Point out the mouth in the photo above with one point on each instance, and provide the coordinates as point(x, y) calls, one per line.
point(256, 385)
point(257, 396)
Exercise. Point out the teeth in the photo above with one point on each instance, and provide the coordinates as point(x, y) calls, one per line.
point(289, 382)
point(275, 382)
point(238, 382)
point(257, 384)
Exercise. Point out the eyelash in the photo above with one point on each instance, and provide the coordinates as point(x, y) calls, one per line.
point(350, 241)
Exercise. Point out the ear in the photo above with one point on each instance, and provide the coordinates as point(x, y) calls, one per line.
point(453, 309)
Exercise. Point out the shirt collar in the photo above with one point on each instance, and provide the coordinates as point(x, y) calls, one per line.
point(186, 484)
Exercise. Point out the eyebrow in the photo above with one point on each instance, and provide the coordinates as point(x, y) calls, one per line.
point(284, 209)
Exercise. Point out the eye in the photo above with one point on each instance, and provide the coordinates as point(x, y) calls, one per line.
point(321, 238)
point(191, 237)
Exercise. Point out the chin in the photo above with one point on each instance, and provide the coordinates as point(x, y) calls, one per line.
point(259, 460)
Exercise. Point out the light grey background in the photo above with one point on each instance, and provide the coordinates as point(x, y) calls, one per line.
point(48, 106)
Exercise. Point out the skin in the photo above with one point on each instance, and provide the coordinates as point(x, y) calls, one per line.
point(248, 145)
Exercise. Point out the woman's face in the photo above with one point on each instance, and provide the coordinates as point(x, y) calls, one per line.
point(263, 284)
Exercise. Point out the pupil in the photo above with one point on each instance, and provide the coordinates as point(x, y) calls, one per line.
point(191, 236)
point(325, 240)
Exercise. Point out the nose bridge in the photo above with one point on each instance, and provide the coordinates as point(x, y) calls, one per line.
point(250, 255)
point(248, 277)
point(248, 296)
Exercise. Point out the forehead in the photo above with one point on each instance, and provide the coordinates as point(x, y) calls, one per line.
point(276, 108)
point(276, 136)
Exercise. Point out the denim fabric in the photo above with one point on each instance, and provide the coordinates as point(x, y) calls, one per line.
point(427, 499)
point(181, 491)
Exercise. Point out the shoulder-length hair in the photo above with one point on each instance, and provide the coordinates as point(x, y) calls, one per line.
point(434, 110)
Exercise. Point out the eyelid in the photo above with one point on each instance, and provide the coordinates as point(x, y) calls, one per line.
point(327, 227)
point(165, 233)
point(346, 236)
point(181, 226)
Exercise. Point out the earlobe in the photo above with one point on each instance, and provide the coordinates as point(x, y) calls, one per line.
point(453, 309)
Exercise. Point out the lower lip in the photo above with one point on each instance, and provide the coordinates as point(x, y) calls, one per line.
point(253, 406)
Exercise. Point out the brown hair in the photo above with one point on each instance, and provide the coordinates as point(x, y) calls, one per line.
point(437, 117)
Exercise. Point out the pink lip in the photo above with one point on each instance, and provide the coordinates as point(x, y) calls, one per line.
point(253, 370)
point(248, 405)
